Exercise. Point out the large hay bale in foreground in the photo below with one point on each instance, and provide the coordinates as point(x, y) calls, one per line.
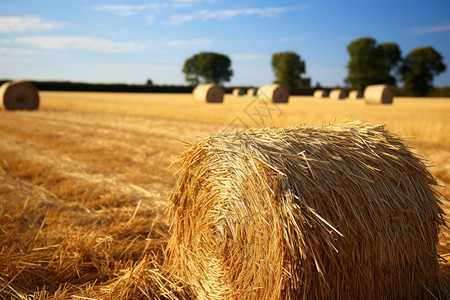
point(210, 92)
point(355, 94)
point(379, 94)
point(238, 92)
point(337, 94)
point(274, 92)
point(19, 95)
point(335, 212)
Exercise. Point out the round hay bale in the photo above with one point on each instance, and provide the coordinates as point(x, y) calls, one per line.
point(19, 95)
point(238, 92)
point(337, 94)
point(274, 92)
point(379, 94)
point(355, 94)
point(252, 92)
point(320, 94)
point(342, 211)
point(211, 93)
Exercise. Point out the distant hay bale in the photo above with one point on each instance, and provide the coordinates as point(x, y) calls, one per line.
point(355, 94)
point(19, 95)
point(252, 92)
point(337, 94)
point(320, 94)
point(238, 92)
point(274, 92)
point(379, 94)
point(342, 211)
point(211, 93)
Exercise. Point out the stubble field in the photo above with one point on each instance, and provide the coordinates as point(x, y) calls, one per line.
point(84, 181)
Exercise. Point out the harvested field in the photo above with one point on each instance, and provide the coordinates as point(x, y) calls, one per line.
point(84, 181)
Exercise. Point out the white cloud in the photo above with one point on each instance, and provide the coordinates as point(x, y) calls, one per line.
point(178, 19)
point(178, 43)
point(80, 43)
point(184, 3)
point(187, 1)
point(291, 39)
point(431, 29)
point(149, 19)
point(126, 10)
point(15, 51)
point(225, 14)
point(14, 60)
point(28, 23)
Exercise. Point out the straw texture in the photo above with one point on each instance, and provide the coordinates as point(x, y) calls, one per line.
point(276, 93)
point(208, 93)
point(19, 95)
point(337, 94)
point(379, 94)
point(337, 212)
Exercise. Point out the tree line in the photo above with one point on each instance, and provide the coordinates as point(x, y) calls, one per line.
point(370, 63)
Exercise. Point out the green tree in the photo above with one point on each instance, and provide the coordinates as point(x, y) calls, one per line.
point(419, 68)
point(288, 67)
point(392, 57)
point(207, 67)
point(371, 63)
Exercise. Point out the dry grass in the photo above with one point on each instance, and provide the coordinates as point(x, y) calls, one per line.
point(408, 117)
point(77, 218)
point(84, 179)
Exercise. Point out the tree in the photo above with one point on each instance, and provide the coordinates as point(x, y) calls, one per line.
point(419, 68)
point(392, 57)
point(208, 67)
point(371, 63)
point(288, 68)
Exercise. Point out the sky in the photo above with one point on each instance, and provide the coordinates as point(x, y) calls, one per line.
point(118, 41)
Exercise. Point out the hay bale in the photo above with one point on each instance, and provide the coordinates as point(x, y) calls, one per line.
point(252, 92)
point(238, 92)
point(274, 92)
point(337, 94)
point(344, 212)
point(320, 94)
point(379, 94)
point(19, 95)
point(211, 93)
point(355, 94)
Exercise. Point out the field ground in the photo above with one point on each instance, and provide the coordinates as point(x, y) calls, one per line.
point(83, 180)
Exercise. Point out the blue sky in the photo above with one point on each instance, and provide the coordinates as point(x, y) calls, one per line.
point(132, 41)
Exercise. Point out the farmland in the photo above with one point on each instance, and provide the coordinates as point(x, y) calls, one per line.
point(84, 180)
